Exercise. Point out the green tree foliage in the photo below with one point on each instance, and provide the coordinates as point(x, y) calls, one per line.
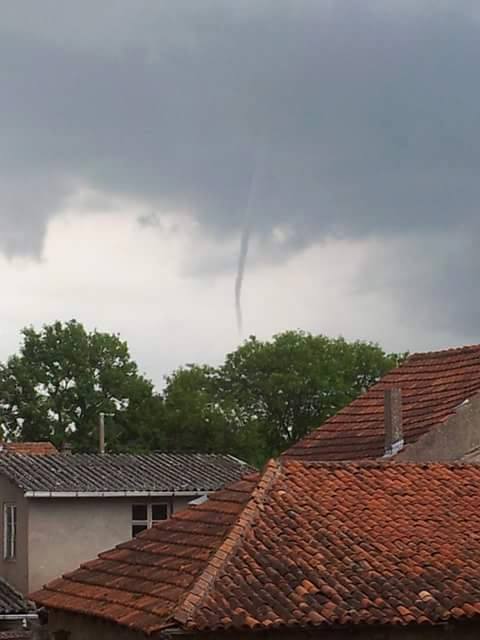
point(200, 416)
point(63, 378)
point(296, 381)
point(265, 396)
point(268, 394)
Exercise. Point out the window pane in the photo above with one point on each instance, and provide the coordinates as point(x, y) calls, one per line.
point(159, 512)
point(139, 512)
point(137, 528)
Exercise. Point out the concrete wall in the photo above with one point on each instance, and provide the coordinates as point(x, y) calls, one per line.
point(456, 439)
point(64, 532)
point(15, 571)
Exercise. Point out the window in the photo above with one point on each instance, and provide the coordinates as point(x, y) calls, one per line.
point(159, 512)
point(9, 530)
point(146, 515)
point(139, 518)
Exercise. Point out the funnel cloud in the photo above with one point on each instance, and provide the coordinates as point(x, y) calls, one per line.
point(369, 110)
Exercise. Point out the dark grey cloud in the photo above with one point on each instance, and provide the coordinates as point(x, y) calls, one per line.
point(367, 114)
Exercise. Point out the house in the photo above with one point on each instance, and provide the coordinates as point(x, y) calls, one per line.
point(59, 510)
point(305, 550)
point(17, 614)
point(428, 409)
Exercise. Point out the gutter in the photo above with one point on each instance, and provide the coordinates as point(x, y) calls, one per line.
point(114, 494)
point(19, 616)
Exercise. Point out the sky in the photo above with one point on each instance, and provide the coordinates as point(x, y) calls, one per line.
point(141, 140)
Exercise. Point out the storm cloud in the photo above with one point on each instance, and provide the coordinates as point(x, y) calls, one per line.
point(367, 113)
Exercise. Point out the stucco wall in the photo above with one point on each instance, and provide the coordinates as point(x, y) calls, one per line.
point(64, 532)
point(15, 571)
point(456, 439)
point(180, 502)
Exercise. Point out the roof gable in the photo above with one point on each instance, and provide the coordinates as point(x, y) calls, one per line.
point(307, 545)
point(120, 474)
point(433, 386)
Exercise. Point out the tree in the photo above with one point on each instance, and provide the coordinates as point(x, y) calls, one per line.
point(199, 417)
point(63, 378)
point(269, 394)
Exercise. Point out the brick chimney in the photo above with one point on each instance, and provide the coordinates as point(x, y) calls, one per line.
point(393, 421)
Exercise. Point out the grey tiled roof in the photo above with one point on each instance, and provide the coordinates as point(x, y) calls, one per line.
point(12, 602)
point(110, 473)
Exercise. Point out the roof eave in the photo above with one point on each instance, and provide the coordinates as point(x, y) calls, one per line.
point(116, 494)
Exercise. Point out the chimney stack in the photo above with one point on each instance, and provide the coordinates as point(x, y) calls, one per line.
point(393, 421)
point(66, 448)
point(101, 434)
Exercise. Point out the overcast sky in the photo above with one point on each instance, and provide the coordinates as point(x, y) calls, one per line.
point(139, 137)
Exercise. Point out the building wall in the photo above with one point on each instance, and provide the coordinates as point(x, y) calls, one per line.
point(15, 571)
point(84, 628)
point(180, 502)
point(456, 439)
point(64, 532)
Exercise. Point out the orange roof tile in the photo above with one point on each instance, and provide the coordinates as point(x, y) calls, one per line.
point(29, 448)
point(433, 385)
point(139, 583)
point(306, 545)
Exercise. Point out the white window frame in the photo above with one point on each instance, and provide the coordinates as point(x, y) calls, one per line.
point(149, 522)
point(9, 531)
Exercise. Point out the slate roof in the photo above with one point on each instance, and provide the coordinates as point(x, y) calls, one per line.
point(29, 448)
point(433, 385)
point(12, 602)
point(121, 473)
point(305, 545)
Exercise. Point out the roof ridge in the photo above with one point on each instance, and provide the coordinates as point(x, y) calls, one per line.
point(442, 352)
point(375, 463)
point(203, 584)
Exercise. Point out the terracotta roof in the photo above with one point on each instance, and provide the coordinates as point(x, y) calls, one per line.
point(433, 385)
point(139, 583)
point(306, 545)
point(158, 473)
point(29, 448)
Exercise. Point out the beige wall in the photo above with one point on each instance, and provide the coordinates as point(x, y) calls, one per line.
point(456, 439)
point(180, 502)
point(64, 532)
point(15, 571)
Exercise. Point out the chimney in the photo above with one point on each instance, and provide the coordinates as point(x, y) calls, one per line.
point(66, 448)
point(393, 421)
point(101, 434)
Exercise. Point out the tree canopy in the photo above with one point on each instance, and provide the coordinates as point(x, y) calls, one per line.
point(260, 400)
point(63, 378)
point(268, 394)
